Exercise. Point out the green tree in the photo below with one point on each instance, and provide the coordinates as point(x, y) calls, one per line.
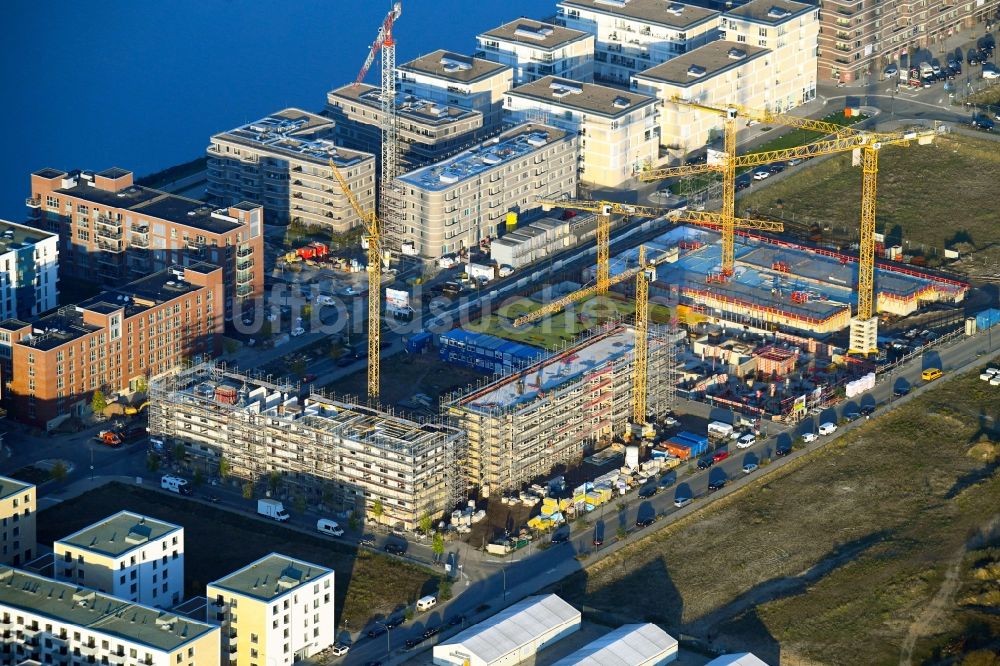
point(274, 481)
point(622, 533)
point(141, 385)
point(425, 523)
point(299, 503)
point(437, 546)
point(307, 311)
point(199, 477)
point(58, 471)
point(152, 462)
point(444, 589)
point(408, 613)
point(225, 468)
point(179, 451)
point(352, 521)
point(98, 403)
point(247, 490)
point(378, 510)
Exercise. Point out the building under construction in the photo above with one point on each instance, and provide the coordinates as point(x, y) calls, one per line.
point(522, 424)
point(324, 449)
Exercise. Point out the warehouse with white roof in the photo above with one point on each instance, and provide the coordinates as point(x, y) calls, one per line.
point(512, 635)
point(737, 659)
point(629, 645)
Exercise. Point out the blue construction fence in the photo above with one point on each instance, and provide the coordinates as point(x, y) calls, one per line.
point(484, 352)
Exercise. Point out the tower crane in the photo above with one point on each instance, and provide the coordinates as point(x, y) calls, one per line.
point(389, 164)
point(374, 236)
point(864, 325)
point(605, 209)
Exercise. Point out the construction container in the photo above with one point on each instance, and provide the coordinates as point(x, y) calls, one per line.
point(419, 342)
point(697, 443)
point(225, 394)
point(486, 353)
point(678, 449)
point(987, 319)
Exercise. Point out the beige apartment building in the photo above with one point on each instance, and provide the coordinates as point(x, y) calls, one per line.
point(716, 74)
point(790, 31)
point(619, 130)
point(458, 80)
point(633, 35)
point(17, 521)
point(460, 201)
point(282, 162)
point(112, 231)
point(534, 49)
point(273, 612)
point(44, 621)
point(428, 131)
point(127, 555)
point(858, 39)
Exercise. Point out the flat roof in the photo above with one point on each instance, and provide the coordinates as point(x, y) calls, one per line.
point(737, 659)
point(99, 612)
point(659, 12)
point(15, 236)
point(453, 66)
point(588, 97)
point(703, 63)
point(537, 34)
point(771, 12)
point(514, 627)
point(627, 645)
point(296, 134)
point(118, 534)
point(408, 106)
point(271, 576)
point(9, 486)
point(154, 203)
point(491, 154)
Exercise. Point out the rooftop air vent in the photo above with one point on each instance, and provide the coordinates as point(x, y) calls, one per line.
point(696, 71)
point(452, 64)
point(675, 8)
point(612, 3)
point(530, 32)
point(736, 54)
point(622, 102)
point(778, 13)
point(562, 88)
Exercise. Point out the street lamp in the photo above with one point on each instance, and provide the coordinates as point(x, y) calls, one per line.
point(388, 647)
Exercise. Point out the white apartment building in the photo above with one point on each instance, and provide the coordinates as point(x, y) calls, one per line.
point(619, 132)
point(458, 202)
point(458, 80)
point(790, 30)
point(29, 259)
point(633, 35)
point(716, 74)
point(127, 555)
point(534, 49)
point(60, 624)
point(282, 162)
point(273, 612)
point(17, 521)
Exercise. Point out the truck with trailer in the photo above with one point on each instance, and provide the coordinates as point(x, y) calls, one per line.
point(272, 509)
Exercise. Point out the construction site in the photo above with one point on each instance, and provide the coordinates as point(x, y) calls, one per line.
point(324, 450)
point(553, 412)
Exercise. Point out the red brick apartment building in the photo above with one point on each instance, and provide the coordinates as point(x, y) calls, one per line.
point(113, 231)
point(52, 366)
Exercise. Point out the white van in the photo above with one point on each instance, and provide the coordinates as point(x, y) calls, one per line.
point(721, 430)
point(426, 603)
point(329, 527)
point(175, 484)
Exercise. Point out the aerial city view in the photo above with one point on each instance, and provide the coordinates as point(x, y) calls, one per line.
point(543, 332)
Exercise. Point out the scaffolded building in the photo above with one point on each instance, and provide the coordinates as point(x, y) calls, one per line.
point(524, 423)
point(323, 449)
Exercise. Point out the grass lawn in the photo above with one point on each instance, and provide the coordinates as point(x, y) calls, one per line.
point(799, 137)
point(837, 557)
point(552, 332)
point(220, 542)
point(931, 197)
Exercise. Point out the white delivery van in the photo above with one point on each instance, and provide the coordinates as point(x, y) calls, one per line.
point(175, 484)
point(720, 430)
point(426, 603)
point(329, 527)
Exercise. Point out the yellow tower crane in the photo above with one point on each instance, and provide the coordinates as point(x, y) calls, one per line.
point(605, 209)
point(374, 237)
point(727, 166)
point(864, 325)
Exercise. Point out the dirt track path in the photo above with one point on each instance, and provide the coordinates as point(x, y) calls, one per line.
point(927, 620)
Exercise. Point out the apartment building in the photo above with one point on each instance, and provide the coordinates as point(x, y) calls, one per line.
point(520, 426)
point(533, 49)
point(458, 80)
point(110, 342)
point(619, 130)
point(633, 35)
point(282, 162)
point(458, 202)
point(715, 74)
point(51, 622)
point(130, 556)
point(29, 262)
point(111, 231)
point(428, 131)
point(273, 612)
point(790, 31)
point(346, 456)
point(17, 522)
point(858, 39)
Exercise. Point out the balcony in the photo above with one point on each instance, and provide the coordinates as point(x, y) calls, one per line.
point(33, 203)
point(244, 291)
point(244, 277)
point(244, 265)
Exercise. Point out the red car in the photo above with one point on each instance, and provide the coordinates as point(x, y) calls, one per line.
point(719, 456)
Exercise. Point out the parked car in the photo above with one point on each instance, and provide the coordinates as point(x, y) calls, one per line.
point(648, 490)
point(643, 522)
point(828, 428)
point(777, 167)
point(972, 57)
point(901, 390)
point(705, 463)
point(395, 548)
point(719, 456)
point(891, 70)
point(867, 410)
point(991, 73)
point(782, 451)
point(749, 468)
point(761, 174)
point(746, 441)
point(852, 415)
point(340, 649)
point(809, 437)
point(681, 501)
point(376, 631)
point(297, 331)
point(718, 484)
point(367, 540)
